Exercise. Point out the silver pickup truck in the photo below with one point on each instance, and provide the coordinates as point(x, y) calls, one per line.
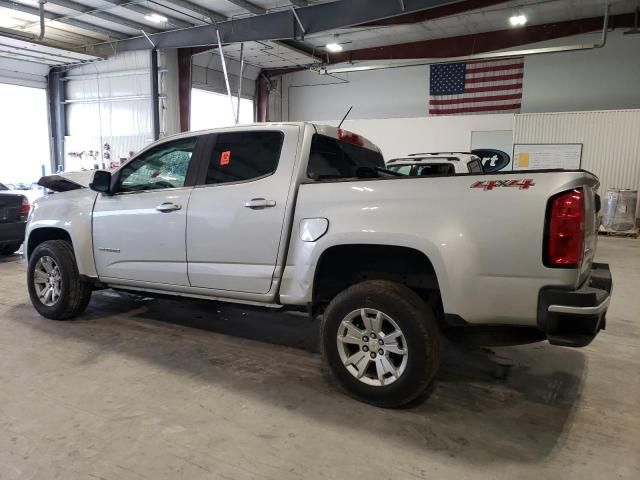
point(297, 215)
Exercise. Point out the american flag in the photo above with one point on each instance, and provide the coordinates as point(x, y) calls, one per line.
point(483, 86)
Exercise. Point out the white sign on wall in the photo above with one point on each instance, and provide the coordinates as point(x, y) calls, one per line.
point(547, 156)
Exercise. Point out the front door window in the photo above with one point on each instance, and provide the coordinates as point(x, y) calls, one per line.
point(164, 166)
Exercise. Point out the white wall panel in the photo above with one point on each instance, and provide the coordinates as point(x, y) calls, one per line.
point(604, 78)
point(393, 93)
point(397, 137)
point(607, 78)
point(611, 141)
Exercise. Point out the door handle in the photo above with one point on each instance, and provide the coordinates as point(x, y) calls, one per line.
point(257, 203)
point(168, 207)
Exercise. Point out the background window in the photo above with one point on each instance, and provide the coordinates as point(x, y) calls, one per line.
point(213, 110)
point(475, 166)
point(164, 166)
point(24, 149)
point(435, 169)
point(401, 169)
point(240, 156)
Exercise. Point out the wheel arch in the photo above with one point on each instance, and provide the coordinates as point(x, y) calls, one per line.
point(340, 266)
point(83, 251)
point(43, 234)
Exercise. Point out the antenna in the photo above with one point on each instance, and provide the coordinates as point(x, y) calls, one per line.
point(345, 116)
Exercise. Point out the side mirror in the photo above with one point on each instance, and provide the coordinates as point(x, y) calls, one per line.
point(101, 182)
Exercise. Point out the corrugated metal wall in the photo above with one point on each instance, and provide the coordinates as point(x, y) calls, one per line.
point(611, 141)
point(110, 102)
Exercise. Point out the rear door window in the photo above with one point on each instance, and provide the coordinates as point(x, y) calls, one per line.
point(242, 156)
point(332, 158)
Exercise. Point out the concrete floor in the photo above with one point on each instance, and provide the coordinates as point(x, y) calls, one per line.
point(141, 389)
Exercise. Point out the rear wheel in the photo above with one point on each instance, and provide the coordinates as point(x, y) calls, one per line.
point(56, 289)
point(381, 343)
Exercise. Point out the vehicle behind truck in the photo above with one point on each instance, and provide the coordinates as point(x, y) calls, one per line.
point(304, 216)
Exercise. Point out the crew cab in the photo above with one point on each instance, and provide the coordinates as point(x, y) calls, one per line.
point(440, 163)
point(304, 216)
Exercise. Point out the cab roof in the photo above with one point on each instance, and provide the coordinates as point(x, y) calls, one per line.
point(327, 130)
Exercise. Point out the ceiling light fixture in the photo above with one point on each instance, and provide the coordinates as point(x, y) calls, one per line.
point(333, 47)
point(156, 18)
point(518, 20)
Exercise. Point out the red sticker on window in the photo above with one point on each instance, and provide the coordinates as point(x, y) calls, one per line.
point(225, 157)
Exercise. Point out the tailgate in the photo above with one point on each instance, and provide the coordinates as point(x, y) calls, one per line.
point(10, 205)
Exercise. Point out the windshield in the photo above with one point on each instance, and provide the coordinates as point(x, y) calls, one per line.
point(2, 187)
point(332, 158)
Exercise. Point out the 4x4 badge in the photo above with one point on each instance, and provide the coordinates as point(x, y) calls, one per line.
point(522, 184)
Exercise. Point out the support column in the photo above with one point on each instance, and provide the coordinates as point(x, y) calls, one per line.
point(263, 98)
point(57, 118)
point(155, 101)
point(184, 87)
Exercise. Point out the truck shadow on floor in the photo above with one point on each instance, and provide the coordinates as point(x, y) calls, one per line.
point(14, 257)
point(486, 405)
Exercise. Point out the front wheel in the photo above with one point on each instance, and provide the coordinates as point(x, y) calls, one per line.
point(381, 343)
point(56, 289)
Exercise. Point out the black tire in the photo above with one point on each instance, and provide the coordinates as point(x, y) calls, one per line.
point(416, 321)
point(74, 292)
point(10, 249)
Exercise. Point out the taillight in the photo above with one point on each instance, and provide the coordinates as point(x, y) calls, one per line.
point(25, 207)
point(565, 230)
point(350, 137)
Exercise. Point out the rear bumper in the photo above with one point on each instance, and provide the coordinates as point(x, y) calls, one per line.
point(12, 232)
point(573, 318)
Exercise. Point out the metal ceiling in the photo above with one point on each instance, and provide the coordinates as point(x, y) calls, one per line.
point(74, 26)
point(32, 52)
point(489, 19)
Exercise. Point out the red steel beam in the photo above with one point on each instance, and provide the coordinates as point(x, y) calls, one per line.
point(436, 12)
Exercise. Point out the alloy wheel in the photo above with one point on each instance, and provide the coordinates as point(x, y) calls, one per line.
point(372, 347)
point(47, 280)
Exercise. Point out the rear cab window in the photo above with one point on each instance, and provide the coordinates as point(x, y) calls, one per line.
point(244, 156)
point(331, 158)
